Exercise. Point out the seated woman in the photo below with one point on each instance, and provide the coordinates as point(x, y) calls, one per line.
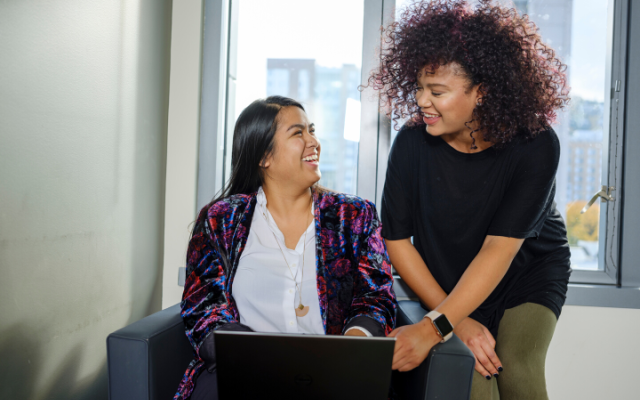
point(277, 253)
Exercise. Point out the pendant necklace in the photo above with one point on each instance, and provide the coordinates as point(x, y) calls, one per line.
point(301, 310)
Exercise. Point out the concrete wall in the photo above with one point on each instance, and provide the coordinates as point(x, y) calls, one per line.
point(83, 121)
point(182, 142)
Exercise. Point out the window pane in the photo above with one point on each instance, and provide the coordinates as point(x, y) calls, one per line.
point(286, 48)
point(580, 33)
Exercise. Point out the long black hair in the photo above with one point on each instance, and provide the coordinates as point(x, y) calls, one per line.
point(252, 143)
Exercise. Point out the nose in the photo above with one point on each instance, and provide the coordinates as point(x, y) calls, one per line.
point(423, 99)
point(312, 141)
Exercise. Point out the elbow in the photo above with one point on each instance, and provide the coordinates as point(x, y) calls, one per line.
point(506, 245)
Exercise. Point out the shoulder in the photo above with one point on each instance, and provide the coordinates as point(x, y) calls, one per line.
point(545, 142)
point(341, 212)
point(411, 143)
point(228, 205)
point(411, 135)
point(331, 201)
point(538, 156)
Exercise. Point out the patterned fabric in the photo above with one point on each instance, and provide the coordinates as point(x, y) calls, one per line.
point(353, 269)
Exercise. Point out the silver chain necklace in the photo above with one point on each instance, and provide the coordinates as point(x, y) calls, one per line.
point(301, 310)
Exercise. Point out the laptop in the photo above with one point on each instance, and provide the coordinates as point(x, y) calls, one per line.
point(254, 365)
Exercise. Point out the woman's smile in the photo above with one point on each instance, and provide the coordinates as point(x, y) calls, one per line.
point(312, 159)
point(430, 119)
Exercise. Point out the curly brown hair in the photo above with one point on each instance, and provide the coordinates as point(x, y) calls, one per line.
point(521, 80)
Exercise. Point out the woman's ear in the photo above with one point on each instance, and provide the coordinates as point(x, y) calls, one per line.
point(265, 163)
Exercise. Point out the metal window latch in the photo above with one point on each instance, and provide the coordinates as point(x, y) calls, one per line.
point(605, 194)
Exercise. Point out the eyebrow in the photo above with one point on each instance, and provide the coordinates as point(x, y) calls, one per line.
point(431, 85)
point(301, 126)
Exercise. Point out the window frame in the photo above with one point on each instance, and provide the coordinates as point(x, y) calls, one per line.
point(617, 286)
point(375, 127)
point(609, 255)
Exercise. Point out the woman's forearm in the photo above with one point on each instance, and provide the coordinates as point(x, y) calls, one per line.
point(481, 277)
point(410, 265)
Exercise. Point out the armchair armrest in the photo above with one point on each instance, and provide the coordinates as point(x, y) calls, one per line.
point(447, 371)
point(147, 359)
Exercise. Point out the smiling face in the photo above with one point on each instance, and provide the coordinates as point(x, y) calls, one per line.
point(447, 102)
point(296, 152)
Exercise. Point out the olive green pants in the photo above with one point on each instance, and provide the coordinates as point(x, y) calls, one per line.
point(524, 335)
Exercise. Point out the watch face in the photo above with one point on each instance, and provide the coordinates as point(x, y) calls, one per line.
point(443, 325)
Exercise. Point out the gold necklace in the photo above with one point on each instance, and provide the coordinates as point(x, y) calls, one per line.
point(301, 310)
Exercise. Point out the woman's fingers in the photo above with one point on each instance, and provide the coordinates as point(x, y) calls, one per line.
point(404, 360)
point(399, 350)
point(483, 359)
point(481, 370)
point(400, 356)
point(408, 366)
point(413, 343)
point(480, 341)
point(400, 361)
point(494, 364)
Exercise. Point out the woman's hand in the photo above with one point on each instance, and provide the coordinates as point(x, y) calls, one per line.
point(413, 343)
point(481, 342)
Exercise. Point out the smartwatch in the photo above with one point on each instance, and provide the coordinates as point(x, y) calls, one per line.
point(444, 329)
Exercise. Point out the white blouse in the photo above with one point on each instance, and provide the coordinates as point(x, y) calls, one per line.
point(264, 288)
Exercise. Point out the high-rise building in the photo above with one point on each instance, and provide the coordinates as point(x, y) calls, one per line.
point(331, 98)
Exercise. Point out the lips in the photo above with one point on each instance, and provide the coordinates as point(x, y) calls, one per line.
point(430, 119)
point(311, 159)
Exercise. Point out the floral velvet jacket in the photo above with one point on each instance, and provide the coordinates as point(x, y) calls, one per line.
point(352, 267)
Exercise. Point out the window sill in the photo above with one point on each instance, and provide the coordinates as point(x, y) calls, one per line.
point(577, 295)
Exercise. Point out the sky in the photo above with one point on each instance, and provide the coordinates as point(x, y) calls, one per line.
point(330, 31)
point(589, 34)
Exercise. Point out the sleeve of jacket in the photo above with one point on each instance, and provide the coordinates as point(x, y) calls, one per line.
point(374, 302)
point(205, 306)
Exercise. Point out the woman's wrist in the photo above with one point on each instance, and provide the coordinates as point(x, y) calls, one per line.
point(428, 328)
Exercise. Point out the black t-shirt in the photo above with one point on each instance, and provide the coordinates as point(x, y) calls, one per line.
point(450, 201)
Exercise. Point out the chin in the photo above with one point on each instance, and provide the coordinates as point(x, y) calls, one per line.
point(433, 131)
point(314, 180)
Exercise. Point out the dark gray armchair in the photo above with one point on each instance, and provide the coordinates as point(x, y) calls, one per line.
point(146, 361)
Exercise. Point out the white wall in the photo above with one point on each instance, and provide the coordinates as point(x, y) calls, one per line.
point(182, 142)
point(83, 114)
point(595, 355)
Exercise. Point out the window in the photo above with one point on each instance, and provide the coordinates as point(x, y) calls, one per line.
point(582, 35)
point(592, 36)
point(275, 54)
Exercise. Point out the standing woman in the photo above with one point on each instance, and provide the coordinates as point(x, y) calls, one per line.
point(471, 178)
point(276, 253)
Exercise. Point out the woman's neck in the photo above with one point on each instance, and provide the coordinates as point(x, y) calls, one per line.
point(285, 203)
point(463, 142)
